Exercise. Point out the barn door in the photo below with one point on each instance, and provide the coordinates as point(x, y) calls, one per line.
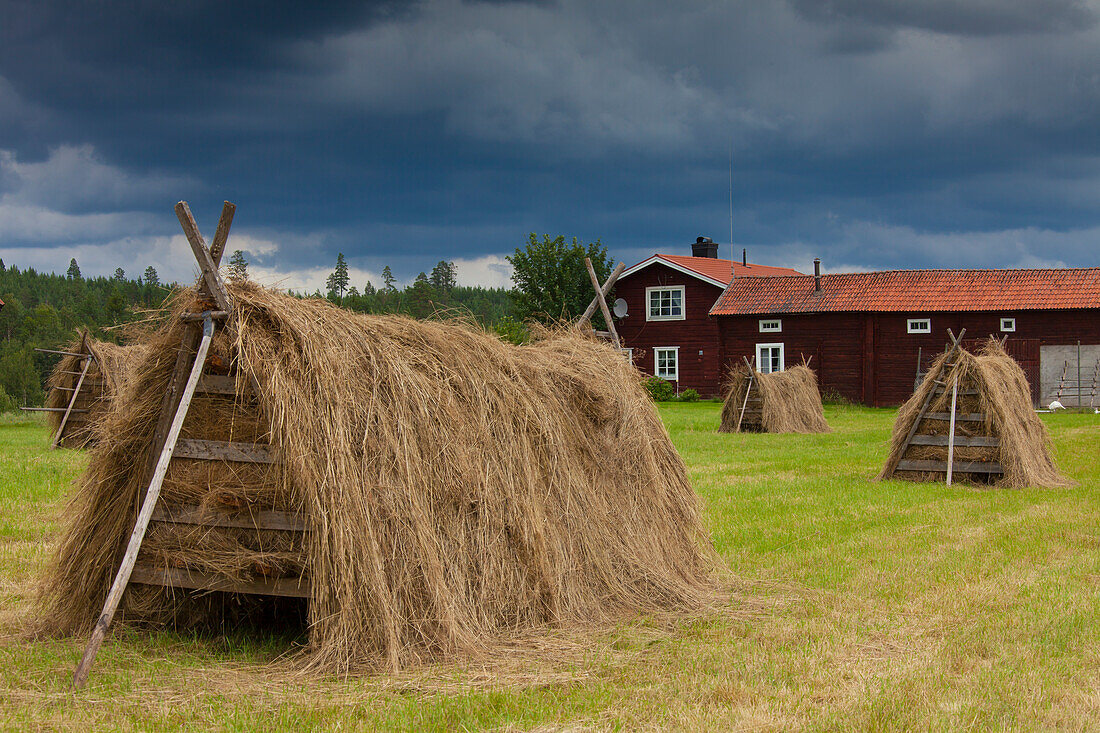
point(1026, 354)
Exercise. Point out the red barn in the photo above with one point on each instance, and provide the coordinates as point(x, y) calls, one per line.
point(865, 330)
point(667, 325)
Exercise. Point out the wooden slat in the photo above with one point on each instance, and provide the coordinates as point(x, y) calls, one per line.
point(217, 384)
point(976, 441)
point(910, 464)
point(195, 580)
point(211, 280)
point(970, 392)
point(959, 417)
point(265, 519)
point(220, 450)
point(87, 383)
point(47, 409)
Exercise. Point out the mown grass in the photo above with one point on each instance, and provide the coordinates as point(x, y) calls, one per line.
point(856, 605)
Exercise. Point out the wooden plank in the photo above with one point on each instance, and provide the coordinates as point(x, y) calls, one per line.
point(960, 417)
point(603, 302)
point(910, 464)
point(72, 403)
point(87, 383)
point(605, 289)
point(62, 353)
point(748, 389)
point(48, 409)
point(195, 580)
point(221, 234)
point(263, 519)
point(80, 676)
point(969, 392)
point(210, 278)
point(217, 384)
point(220, 450)
point(973, 441)
point(951, 435)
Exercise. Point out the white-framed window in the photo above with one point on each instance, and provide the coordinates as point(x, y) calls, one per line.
point(769, 358)
point(628, 355)
point(1008, 325)
point(919, 325)
point(665, 303)
point(773, 325)
point(666, 362)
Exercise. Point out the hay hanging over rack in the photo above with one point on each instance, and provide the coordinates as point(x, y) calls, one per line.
point(109, 368)
point(453, 490)
point(779, 402)
point(993, 434)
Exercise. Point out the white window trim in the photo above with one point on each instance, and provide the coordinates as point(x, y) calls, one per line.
point(628, 354)
point(676, 349)
point(782, 355)
point(683, 303)
point(765, 329)
point(910, 328)
point(1008, 329)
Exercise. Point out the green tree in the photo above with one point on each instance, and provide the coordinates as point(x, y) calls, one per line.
point(420, 297)
point(73, 272)
point(550, 278)
point(337, 282)
point(388, 280)
point(151, 277)
point(444, 277)
point(119, 275)
point(238, 266)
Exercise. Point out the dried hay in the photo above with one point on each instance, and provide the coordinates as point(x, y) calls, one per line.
point(106, 378)
point(460, 491)
point(789, 402)
point(1003, 397)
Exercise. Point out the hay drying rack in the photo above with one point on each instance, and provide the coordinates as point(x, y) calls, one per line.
point(949, 467)
point(74, 416)
point(189, 377)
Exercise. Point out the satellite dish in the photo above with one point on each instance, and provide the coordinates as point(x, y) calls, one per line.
point(619, 309)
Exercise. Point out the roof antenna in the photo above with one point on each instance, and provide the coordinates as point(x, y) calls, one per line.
point(732, 256)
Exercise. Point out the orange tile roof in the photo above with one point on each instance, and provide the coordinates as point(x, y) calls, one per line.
point(914, 291)
point(712, 268)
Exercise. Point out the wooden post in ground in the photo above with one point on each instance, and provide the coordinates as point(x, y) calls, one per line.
point(748, 388)
point(951, 437)
point(122, 578)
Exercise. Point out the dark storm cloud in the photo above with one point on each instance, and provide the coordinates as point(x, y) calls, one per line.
point(402, 133)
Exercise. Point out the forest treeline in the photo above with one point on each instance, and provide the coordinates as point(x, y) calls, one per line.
point(48, 310)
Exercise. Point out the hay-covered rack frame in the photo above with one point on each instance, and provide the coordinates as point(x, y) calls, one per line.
point(84, 392)
point(949, 467)
point(188, 378)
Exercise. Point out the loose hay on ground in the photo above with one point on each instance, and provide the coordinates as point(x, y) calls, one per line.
point(459, 490)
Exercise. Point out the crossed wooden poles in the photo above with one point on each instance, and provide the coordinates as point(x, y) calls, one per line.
point(600, 300)
point(174, 406)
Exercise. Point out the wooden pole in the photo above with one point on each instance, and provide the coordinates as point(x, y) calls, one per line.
point(604, 290)
point(603, 303)
point(748, 388)
point(80, 676)
point(221, 234)
point(951, 437)
point(213, 284)
point(72, 401)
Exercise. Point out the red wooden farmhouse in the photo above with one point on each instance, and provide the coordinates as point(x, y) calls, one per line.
point(667, 325)
point(865, 330)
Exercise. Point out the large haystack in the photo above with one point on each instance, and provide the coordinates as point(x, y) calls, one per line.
point(779, 402)
point(110, 368)
point(456, 490)
point(999, 438)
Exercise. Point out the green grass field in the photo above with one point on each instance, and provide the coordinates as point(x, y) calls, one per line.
point(855, 605)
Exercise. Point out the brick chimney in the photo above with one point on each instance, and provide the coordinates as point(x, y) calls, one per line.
point(704, 247)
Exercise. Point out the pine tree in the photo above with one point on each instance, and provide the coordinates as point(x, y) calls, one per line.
point(444, 276)
point(74, 270)
point(337, 282)
point(119, 275)
point(151, 277)
point(390, 282)
point(238, 266)
point(419, 297)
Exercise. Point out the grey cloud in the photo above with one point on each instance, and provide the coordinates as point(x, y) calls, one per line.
point(956, 17)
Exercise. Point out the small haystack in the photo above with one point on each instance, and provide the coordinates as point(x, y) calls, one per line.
point(108, 371)
point(779, 402)
point(998, 438)
point(430, 490)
